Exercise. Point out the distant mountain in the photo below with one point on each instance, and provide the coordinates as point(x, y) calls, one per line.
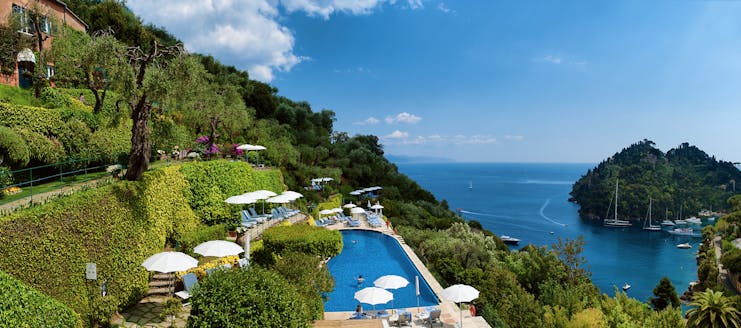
point(401, 159)
point(685, 178)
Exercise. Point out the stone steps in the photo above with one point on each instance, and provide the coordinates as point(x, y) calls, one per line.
point(161, 284)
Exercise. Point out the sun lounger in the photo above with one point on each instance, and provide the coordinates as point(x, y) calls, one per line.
point(189, 281)
point(254, 214)
point(246, 216)
point(405, 319)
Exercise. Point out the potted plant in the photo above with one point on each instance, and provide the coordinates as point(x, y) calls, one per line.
point(231, 226)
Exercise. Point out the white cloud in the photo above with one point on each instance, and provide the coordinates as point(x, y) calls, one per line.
point(245, 33)
point(397, 135)
point(553, 59)
point(513, 138)
point(368, 121)
point(403, 117)
point(442, 7)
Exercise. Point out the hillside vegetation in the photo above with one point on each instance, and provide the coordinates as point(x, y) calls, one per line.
point(683, 179)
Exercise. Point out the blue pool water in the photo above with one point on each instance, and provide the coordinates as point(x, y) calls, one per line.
point(372, 255)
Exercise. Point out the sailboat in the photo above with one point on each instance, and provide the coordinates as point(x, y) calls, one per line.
point(615, 222)
point(666, 221)
point(650, 226)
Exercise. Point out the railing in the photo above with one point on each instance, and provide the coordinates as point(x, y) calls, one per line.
point(37, 176)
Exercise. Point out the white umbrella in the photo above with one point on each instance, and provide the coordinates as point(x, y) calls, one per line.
point(218, 248)
point(292, 194)
point(391, 282)
point(373, 296)
point(377, 206)
point(350, 205)
point(326, 212)
point(241, 199)
point(262, 194)
point(357, 210)
point(460, 294)
point(356, 192)
point(327, 179)
point(280, 199)
point(336, 210)
point(167, 262)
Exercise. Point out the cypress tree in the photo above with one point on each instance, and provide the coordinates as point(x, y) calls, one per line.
point(665, 295)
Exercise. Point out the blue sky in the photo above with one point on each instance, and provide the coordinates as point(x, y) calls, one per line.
point(501, 81)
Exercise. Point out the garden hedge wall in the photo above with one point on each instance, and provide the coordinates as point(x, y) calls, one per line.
point(302, 238)
point(212, 182)
point(23, 306)
point(116, 226)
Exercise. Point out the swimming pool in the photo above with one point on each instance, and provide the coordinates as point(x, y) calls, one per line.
point(372, 255)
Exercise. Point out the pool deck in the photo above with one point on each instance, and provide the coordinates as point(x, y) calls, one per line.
point(450, 312)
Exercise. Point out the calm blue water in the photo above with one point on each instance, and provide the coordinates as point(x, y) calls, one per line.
point(528, 201)
point(372, 255)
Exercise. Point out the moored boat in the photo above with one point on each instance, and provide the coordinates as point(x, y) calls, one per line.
point(668, 223)
point(684, 232)
point(615, 222)
point(648, 224)
point(684, 245)
point(693, 220)
point(626, 286)
point(509, 240)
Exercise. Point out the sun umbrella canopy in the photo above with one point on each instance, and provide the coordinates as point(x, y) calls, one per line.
point(326, 212)
point(377, 207)
point(218, 248)
point(249, 147)
point(261, 194)
point(280, 199)
point(373, 296)
point(167, 262)
point(336, 210)
point(350, 205)
point(356, 192)
point(357, 210)
point(391, 282)
point(293, 194)
point(460, 293)
point(241, 199)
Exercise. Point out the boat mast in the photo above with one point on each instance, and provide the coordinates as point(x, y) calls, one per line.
point(617, 182)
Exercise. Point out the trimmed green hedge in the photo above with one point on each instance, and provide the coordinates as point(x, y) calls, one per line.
point(15, 148)
point(248, 298)
point(212, 182)
point(41, 148)
point(23, 306)
point(302, 238)
point(116, 226)
point(37, 119)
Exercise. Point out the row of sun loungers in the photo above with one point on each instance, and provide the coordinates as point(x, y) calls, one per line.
point(403, 319)
point(250, 218)
point(375, 221)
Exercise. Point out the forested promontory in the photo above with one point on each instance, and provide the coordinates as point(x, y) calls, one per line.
point(683, 179)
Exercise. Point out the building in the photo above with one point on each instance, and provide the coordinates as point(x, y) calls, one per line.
point(56, 12)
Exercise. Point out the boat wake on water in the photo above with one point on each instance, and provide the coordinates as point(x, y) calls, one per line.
point(548, 201)
point(508, 223)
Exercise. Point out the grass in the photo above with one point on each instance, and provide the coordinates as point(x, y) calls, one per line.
point(16, 95)
point(27, 191)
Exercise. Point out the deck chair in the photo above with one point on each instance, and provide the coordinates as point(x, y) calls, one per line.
point(189, 281)
point(247, 221)
point(405, 320)
point(254, 214)
point(434, 318)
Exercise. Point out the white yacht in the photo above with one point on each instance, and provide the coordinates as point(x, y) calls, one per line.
point(615, 222)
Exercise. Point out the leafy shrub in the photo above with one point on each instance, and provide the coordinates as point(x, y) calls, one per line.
point(248, 298)
point(75, 135)
point(214, 181)
point(41, 120)
point(52, 98)
point(200, 271)
point(6, 177)
point(23, 306)
point(310, 278)
point(199, 235)
point(41, 148)
point(732, 260)
point(13, 148)
point(116, 226)
point(109, 144)
point(303, 238)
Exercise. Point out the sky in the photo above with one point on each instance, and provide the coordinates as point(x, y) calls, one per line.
point(485, 80)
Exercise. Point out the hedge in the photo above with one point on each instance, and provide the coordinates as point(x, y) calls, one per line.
point(212, 182)
point(23, 306)
point(41, 148)
point(248, 298)
point(37, 119)
point(302, 238)
point(15, 148)
point(116, 226)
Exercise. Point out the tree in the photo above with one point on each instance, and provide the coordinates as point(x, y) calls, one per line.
point(665, 295)
point(570, 253)
point(37, 21)
point(713, 309)
point(10, 43)
point(91, 62)
point(152, 71)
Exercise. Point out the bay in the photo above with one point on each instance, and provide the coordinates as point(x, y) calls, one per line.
point(530, 202)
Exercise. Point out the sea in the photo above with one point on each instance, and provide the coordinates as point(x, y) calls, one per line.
point(530, 202)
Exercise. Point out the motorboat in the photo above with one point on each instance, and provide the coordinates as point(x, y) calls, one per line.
point(626, 286)
point(684, 232)
point(711, 219)
point(509, 240)
point(680, 221)
point(693, 220)
point(668, 223)
point(684, 245)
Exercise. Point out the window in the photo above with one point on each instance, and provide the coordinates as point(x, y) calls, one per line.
point(26, 25)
